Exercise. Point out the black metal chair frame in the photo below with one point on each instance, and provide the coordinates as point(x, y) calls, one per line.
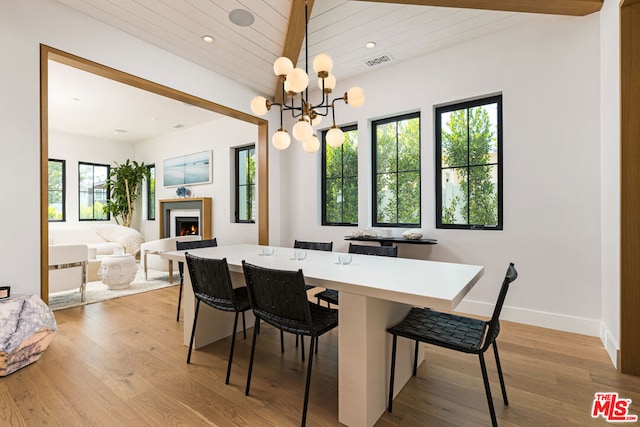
point(330, 296)
point(312, 246)
point(192, 244)
point(212, 285)
point(279, 298)
point(459, 333)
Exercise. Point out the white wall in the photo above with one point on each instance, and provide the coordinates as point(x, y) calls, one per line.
point(548, 72)
point(610, 154)
point(24, 25)
point(220, 136)
point(75, 149)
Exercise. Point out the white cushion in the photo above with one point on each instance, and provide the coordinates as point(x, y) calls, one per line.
point(129, 238)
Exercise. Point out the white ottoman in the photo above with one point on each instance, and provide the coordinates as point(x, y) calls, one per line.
point(118, 271)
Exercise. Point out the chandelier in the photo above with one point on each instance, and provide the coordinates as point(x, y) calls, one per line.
point(295, 98)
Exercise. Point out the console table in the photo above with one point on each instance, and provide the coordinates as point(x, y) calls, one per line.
point(389, 241)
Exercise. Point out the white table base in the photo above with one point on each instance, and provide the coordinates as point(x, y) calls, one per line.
point(363, 332)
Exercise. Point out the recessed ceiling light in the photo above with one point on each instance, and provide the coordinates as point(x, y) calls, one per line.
point(75, 99)
point(207, 38)
point(241, 17)
point(178, 125)
point(120, 131)
point(370, 45)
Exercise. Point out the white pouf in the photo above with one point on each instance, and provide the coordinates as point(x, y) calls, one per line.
point(118, 271)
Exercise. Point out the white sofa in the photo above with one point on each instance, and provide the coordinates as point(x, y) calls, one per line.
point(150, 253)
point(101, 240)
point(68, 268)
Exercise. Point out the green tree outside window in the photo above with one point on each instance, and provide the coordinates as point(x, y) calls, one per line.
point(246, 184)
point(151, 193)
point(469, 171)
point(56, 190)
point(340, 180)
point(397, 175)
point(93, 192)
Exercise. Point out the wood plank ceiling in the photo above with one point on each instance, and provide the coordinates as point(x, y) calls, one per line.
point(402, 29)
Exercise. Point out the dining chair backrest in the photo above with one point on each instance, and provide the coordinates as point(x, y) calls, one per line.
point(278, 296)
point(194, 244)
point(391, 251)
point(314, 246)
point(211, 281)
point(494, 323)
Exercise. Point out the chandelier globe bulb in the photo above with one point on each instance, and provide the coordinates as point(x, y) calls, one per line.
point(298, 80)
point(311, 145)
point(335, 137)
point(282, 66)
point(322, 64)
point(302, 130)
point(259, 105)
point(355, 97)
point(281, 139)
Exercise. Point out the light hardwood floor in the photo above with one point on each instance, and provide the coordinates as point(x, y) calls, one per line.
point(122, 363)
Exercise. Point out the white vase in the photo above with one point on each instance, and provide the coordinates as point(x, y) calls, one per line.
point(118, 271)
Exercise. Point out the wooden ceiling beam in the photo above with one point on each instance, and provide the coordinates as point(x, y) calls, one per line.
point(551, 7)
point(295, 35)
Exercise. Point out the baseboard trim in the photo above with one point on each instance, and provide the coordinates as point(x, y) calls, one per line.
point(577, 325)
point(610, 344)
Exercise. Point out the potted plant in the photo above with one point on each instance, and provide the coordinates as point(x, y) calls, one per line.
point(125, 185)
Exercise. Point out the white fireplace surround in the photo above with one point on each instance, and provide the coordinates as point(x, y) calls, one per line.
point(190, 213)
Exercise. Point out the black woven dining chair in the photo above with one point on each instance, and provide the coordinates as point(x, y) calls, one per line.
point(459, 333)
point(313, 246)
point(278, 297)
point(191, 244)
point(330, 296)
point(212, 285)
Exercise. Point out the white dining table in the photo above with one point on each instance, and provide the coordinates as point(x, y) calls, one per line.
point(375, 293)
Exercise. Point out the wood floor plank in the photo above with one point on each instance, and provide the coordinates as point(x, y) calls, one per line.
point(123, 362)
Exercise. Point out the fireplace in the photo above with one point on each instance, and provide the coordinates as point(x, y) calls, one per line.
point(187, 225)
point(195, 211)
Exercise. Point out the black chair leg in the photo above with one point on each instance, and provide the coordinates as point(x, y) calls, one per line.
point(244, 326)
point(302, 346)
point(233, 343)
point(306, 388)
point(415, 358)
point(281, 341)
point(253, 351)
point(193, 330)
point(179, 299)
point(393, 372)
point(487, 389)
point(504, 389)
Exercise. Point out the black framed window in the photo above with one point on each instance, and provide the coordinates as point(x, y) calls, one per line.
point(396, 171)
point(469, 164)
point(340, 179)
point(245, 184)
point(92, 191)
point(56, 189)
point(151, 193)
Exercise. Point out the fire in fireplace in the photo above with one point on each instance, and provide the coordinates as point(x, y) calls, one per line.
point(186, 226)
